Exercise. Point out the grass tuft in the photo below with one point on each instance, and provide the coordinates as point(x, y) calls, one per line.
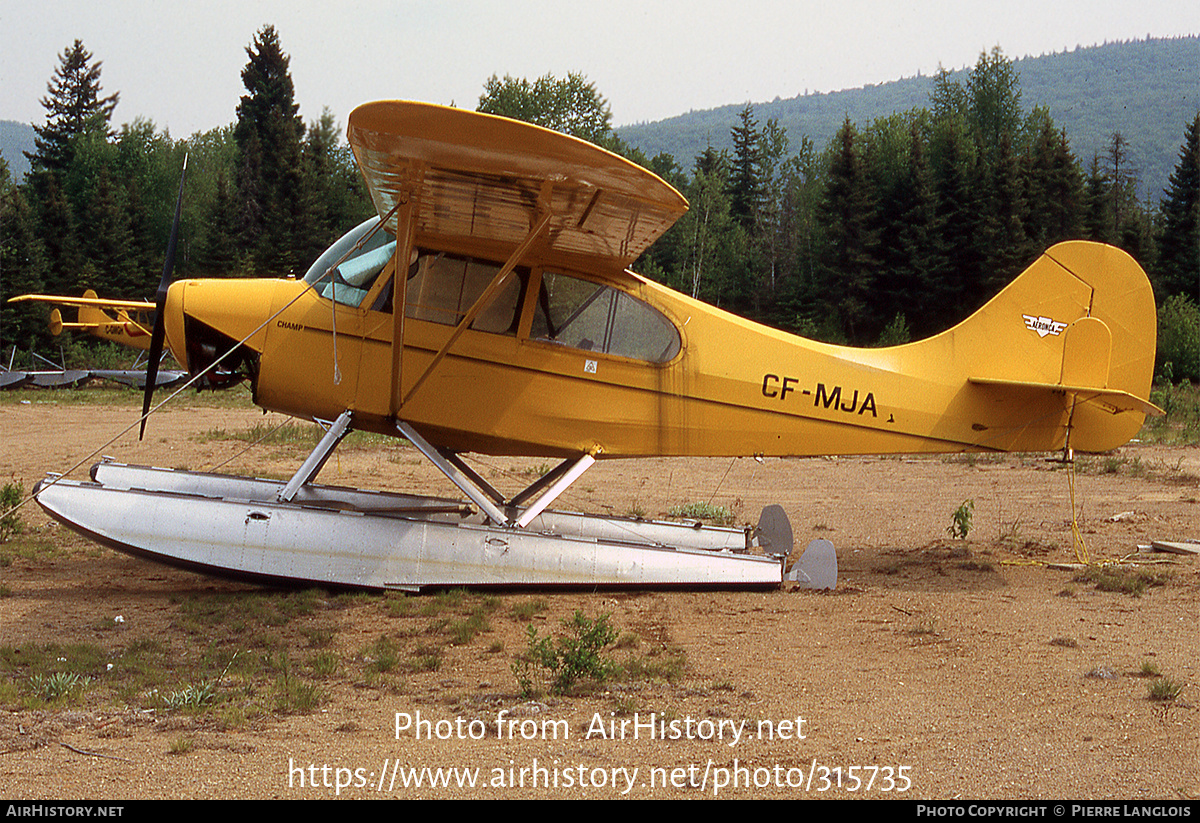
point(718, 515)
point(1122, 579)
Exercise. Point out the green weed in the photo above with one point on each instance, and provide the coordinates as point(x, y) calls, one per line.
point(565, 661)
point(718, 515)
point(526, 609)
point(181, 745)
point(294, 695)
point(669, 665)
point(1122, 579)
point(383, 656)
point(10, 520)
point(59, 686)
point(1180, 426)
point(192, 698)
point(960, 520)
point(425, 659)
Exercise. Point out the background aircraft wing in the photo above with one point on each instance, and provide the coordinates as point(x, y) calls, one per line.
point(93, 302)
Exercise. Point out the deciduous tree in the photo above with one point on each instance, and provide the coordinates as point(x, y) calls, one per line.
point(571, 105)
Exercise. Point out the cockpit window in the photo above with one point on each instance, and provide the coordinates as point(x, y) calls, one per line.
point(350, 282)
point(442, 288)
point(585, 315)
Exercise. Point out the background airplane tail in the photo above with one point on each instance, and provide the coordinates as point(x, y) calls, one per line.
point(1068, 345)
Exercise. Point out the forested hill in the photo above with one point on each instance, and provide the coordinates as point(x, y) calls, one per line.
point(1147, 90)
point(16, 139)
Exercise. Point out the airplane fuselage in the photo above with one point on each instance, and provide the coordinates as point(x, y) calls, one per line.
point(704, 382)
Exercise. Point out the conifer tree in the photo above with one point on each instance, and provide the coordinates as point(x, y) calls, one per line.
point(1178, 269)
point(955, 173)
point(1098, 202)
point(73, 107)
point(994, 103)
point(745, 179)
point(333, 185)
point(849, 259)
point(921, 258)
point(55, 222)
point(217, 254)
point(108, 241)
point(268, 135)
point(22, 263)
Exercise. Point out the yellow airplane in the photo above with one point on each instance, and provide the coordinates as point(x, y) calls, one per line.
point(126, 322)
point(518, 329)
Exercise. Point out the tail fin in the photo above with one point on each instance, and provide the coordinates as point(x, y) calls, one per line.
point(1064, 356)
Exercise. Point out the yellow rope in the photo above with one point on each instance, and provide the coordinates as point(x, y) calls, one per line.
point(1081, 552)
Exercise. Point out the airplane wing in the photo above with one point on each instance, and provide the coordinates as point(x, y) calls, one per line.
point(492, 179)
point(96, 302)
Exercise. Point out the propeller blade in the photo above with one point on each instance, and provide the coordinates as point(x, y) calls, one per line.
point(160, 305)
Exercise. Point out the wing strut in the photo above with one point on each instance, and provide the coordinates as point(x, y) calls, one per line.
point(405, 225)
point(486, 497)
point(579, 467)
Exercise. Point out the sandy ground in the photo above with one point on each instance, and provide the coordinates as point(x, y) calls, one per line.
point(938, 668)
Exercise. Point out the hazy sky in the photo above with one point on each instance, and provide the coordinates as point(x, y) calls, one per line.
point(179, 64)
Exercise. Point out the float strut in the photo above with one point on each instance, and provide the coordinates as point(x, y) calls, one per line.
point(316, 459)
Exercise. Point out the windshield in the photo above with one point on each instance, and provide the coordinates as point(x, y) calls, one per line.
point(352, 279)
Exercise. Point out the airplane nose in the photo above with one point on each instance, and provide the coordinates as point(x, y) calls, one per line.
point(214, 329)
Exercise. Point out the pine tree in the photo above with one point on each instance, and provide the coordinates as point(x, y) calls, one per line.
point(55, 222)
point(922, 259)
point(1097, 215)
point(333, 185)
point(1054, 186)
point(1004, 244)
point(73, 107)
point(1124, 181)
point(994, 95)
point(745, 180)
point(1178, 269)
point(218, 243)
point(108, 241)
point(22, 264)
point(268, 135)
point(849, 259)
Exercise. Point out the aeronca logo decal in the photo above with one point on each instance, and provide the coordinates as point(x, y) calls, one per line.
point(1043, 325)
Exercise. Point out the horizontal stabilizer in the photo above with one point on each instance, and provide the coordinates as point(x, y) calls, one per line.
point(1113, 401)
